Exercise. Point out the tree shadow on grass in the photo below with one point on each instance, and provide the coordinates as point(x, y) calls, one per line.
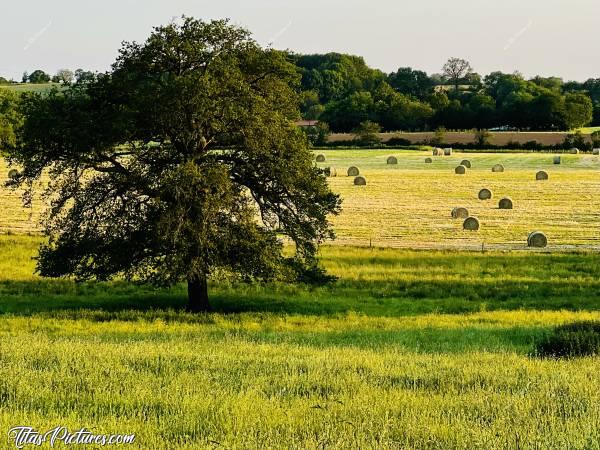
point(371, 298)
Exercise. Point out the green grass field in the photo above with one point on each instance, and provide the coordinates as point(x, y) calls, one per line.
point(410, 348)
point(588, 130)
point(30, 87)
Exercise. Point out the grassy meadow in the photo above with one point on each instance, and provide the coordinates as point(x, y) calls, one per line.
point(426, 346)
point(409, 349)
point(30, 87)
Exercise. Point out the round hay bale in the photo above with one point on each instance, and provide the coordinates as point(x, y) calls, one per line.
point(436, 152)
point(471, 224)
point(320, 158)
point(541, 175)
point(574, 151)
point(596, 151)
point(485, 194)
point(428, 160)
point(466, 163)
point(460, 170)
point(537, 239)
point(505, 203)
point(13, 173)
point(557, 160)
point(460, 213)
point(360, 181)
point(330, 172)
point(447, 152)
point(353, 171)
point(392, 160)
point(498, 168)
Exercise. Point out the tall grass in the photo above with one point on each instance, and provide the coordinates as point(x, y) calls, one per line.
point(383, 358)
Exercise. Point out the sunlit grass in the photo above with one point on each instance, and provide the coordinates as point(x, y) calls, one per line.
point(407, 349)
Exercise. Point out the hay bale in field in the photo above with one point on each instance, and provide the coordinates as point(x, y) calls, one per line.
point(360, 181)
point(330, 172)
point(537, 239)
point(460, 213)
point(557, 160)
point(460, 170)
point(13, 173)
point(498, 168)
point(447, 152)
point(471, 224)
point(320, 158)
point(436, 152)
point(505, 203)
point(596, 151)
point(574, 151)
point(485, 194)
point(353, 171)
point(428, 160)
point(466, 163)
point(541, 175)
point(392, 160)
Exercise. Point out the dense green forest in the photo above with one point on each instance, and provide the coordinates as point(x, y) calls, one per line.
point(343, 92)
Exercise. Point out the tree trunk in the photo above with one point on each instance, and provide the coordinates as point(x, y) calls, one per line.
point(198, 294)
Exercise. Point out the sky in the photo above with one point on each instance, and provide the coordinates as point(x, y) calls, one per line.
point(534, 37)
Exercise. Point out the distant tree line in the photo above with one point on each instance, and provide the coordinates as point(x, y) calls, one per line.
point(63, 76)
point(344, 92)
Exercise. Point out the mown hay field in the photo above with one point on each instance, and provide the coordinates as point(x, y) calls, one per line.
point(409, 204)
point(409, 349)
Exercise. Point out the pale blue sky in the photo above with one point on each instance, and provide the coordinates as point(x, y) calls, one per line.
point(548, 37)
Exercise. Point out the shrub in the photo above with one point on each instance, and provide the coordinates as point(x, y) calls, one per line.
point(398, 142)
point(482, 137)
point(367, 133)
point(438, 136)
point(318, 134)
point(595, 136)
point(571, 340)
point(577, 140)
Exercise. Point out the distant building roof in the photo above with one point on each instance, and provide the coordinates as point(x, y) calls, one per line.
point(307, 123)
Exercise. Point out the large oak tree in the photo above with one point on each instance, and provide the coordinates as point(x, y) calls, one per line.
point(179, 163)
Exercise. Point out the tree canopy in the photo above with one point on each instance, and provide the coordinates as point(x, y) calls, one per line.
point(10, 119)
point(343, 91)
point(179, 164)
